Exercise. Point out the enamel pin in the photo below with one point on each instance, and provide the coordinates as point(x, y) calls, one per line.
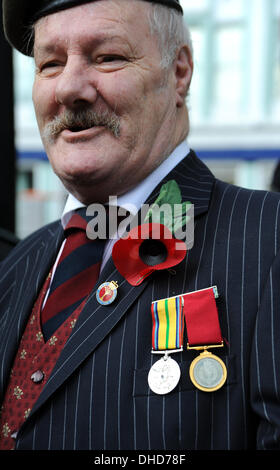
point(107, 292)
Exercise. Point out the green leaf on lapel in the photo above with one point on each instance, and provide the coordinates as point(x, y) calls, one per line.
point(168, 209)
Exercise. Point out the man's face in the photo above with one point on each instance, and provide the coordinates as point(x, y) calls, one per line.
point(100, 57)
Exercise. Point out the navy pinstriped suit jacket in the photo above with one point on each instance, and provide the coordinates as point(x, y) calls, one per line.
point(98, 396)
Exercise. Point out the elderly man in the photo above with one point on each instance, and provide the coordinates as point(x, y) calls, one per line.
point(123, 358)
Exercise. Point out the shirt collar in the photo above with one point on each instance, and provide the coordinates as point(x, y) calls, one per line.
point(133, 199)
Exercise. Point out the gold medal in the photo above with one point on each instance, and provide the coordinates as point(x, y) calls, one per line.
point(208, 372)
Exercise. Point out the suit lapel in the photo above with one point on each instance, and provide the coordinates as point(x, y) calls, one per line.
point(195, 181)
point(97, 321)
point(31, 272)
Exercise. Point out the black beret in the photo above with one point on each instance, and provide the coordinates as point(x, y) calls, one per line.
point(20, 15)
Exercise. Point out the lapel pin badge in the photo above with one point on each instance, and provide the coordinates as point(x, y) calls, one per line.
point(107, 292)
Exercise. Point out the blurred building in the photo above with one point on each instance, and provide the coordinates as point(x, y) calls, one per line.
point(234, 105)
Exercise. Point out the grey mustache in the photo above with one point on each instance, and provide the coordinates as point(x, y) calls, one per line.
point(83, 119)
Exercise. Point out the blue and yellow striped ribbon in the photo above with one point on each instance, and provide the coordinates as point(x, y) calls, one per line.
point(168, 324)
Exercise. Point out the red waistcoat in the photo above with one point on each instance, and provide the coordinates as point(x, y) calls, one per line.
point(32, 368)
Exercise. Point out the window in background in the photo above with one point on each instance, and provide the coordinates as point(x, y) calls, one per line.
point(229, 9)
point(237, 61)
point(194, 5)
point(276, 84)
point(195, 100)
point(276, 60)
point(228, 72)
point(24, 73)
point(228, 59)
point(218, 31)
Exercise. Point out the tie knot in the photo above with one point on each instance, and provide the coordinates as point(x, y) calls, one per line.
point(103, 223)
point(80, 220)
point(77, 221)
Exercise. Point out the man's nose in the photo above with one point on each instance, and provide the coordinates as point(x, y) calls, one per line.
point(75, 85)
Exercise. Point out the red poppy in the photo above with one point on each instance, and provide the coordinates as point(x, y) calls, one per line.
point(147, 248)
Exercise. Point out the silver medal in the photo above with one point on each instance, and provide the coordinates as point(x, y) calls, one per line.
point(164, 375)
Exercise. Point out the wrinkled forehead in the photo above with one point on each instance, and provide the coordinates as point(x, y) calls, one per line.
point(86, 27)
point(19, 16)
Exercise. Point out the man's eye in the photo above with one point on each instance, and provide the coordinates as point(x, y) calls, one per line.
point(49, 65)
point(110, 58)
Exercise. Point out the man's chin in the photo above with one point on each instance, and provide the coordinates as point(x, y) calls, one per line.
point(79, 179)
point(86, 187)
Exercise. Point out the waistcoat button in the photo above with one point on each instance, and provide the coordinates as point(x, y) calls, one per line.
point(37, 377)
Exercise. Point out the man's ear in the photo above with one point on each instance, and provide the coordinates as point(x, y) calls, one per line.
point(183, 68)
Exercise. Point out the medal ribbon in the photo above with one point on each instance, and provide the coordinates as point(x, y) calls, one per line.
point(168, 324)
point(202, 320)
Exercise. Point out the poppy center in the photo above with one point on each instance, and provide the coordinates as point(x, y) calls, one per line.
point(152, 252)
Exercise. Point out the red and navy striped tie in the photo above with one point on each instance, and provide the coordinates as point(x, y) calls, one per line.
point(75, 276)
